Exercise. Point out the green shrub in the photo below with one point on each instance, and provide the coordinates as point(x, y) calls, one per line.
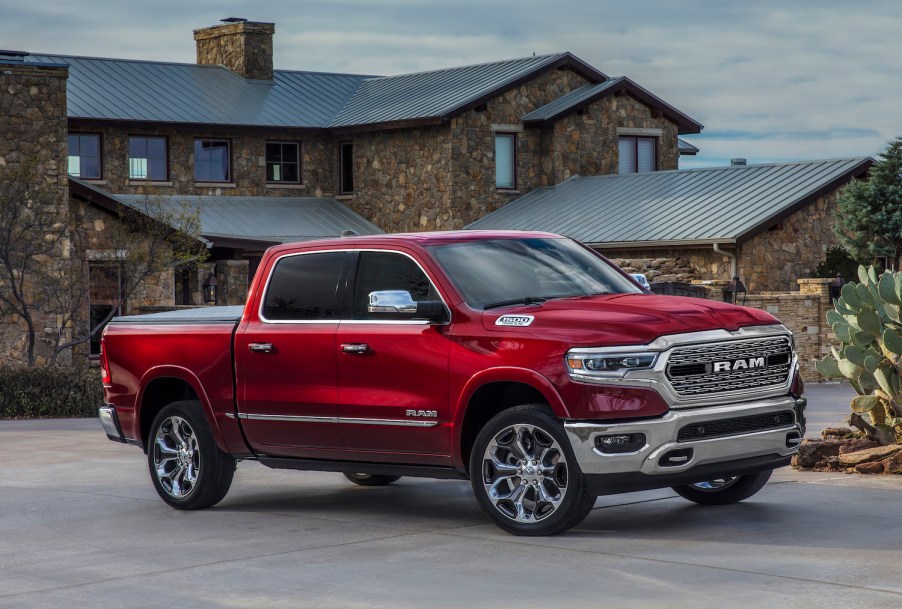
point(49, 392)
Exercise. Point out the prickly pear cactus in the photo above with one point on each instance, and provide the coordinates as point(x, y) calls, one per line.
point(867, 320)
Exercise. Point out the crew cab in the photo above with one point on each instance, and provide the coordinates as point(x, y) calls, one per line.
point(524, 362)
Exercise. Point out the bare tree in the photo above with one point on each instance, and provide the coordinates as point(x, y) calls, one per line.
point(45, 272)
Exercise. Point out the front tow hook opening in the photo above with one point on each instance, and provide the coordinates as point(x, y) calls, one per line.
point(793, 439)
point(675, 458)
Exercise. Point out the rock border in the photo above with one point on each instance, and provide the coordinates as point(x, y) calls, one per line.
point(841, 449)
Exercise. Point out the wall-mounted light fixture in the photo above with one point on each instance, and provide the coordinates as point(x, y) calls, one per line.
point(733, 289)
point(211, 285)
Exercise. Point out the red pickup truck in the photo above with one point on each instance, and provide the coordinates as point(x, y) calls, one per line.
point(524, 362)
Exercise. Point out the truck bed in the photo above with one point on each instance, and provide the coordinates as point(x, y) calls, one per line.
point(202, 315)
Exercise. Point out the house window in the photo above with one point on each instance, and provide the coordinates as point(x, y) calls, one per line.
point(147, 158)
point(638, 154)
point(211, 161)
point(84, 155)
point(104, 290)
point(283, 162)
point(346, 168)
point(506, 161)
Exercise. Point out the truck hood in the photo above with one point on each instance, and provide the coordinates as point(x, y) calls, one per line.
point(622, 319)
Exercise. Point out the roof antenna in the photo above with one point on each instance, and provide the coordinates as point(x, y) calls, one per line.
point(348, 233)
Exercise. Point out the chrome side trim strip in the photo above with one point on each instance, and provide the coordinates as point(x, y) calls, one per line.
point(345, 420)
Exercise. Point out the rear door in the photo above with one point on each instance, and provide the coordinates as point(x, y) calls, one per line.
point(393, 373)
point(285, 358)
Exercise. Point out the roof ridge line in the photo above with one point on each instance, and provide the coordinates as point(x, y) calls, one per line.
point(476, 65)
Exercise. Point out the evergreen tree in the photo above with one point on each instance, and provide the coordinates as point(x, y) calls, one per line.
point(869, 223)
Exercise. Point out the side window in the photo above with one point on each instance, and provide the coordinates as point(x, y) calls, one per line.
point(304, 287)
point(377, 271)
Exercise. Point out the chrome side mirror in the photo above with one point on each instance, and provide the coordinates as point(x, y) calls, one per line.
point(392, 301)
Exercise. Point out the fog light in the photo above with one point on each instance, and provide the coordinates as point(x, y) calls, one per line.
point(620, 443)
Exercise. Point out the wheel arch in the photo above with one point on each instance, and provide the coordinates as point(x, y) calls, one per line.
point(164, 385)
point(491, 392)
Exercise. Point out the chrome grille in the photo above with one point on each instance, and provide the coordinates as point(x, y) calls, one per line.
point(690, 369)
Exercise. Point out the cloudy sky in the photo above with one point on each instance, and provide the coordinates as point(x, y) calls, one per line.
point(770, 80)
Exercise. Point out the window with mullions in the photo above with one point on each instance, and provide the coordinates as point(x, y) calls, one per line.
point(211, 161)
point(283, 162)
point(147, 158)
point(84, 155)
point(637, 154)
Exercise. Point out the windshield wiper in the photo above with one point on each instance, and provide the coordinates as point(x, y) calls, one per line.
point(526, 300)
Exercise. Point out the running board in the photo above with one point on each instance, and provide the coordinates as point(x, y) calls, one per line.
point(386, 469)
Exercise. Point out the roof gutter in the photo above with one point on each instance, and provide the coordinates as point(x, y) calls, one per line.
point(731, 256)
point(662, 244)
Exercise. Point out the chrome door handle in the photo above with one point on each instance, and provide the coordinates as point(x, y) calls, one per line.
point(260, 347)
point(358, 348)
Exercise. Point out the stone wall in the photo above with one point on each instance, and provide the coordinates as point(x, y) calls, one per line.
point(776, 258)
point(701, 264)
point(33, 125)
point(244, 47)
point(659, 269)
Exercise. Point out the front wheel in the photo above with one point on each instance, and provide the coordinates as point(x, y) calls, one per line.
point(723, 491)
point(525, 476)
point(187, 468)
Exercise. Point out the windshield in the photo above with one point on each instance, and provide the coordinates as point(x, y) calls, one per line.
point(507, 271)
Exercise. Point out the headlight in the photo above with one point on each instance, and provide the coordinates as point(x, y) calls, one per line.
point(608, 364)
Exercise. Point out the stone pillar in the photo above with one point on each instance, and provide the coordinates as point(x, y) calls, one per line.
point(34, 128)
point(819, 290)
point(244, 47)
point(232, 276)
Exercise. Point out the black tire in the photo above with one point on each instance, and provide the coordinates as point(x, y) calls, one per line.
point(521, 500)
point(187, 468)
point(724, 491)
point(364, 479)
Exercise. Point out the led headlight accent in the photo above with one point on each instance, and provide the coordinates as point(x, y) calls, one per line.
point(607, 363)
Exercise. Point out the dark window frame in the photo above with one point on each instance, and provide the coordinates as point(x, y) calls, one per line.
point(165, 159)
point(300, 161)
point(100, 163)
point(636, 139)
point(230, 178)
point(345, 174)
point(515, 177)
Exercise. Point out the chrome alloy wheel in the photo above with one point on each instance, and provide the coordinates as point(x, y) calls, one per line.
point(524, 473)
point(176, 457)
point(713, 486)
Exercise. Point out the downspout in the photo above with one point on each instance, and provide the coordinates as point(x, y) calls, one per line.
point(733, 265)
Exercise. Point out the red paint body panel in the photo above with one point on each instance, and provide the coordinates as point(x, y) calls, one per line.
point(436, 368)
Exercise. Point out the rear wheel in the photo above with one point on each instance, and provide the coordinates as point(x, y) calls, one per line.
point(364, 479)
point(525, 476)
point(723, 491)
point(187, 468)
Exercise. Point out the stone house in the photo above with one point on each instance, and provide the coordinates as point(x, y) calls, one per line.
point(268, 155)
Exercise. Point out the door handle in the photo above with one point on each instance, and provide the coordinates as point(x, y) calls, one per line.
point(260, 347)
point(357, 348)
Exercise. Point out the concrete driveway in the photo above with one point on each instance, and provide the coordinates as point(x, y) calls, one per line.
point(81, 527)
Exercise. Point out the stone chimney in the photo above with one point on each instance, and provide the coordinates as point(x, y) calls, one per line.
point(244, 47)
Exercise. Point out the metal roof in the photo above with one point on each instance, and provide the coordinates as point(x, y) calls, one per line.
point(122, 89)
point(686, 148)
point(150, 91)
point(564, 104)
point(692, 206)
point(585, 95)
point(436, 93)
point(272, 219)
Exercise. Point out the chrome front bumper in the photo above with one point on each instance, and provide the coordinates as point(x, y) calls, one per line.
point(110, 423)
point(661, 440)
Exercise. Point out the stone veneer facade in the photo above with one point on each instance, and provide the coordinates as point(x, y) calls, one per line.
point(443, 177)
point(33, 125)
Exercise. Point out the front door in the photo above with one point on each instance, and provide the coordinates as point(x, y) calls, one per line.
point(393, 373)
point(286, 359)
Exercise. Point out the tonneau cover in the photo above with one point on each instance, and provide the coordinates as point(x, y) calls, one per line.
point(203, 315)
